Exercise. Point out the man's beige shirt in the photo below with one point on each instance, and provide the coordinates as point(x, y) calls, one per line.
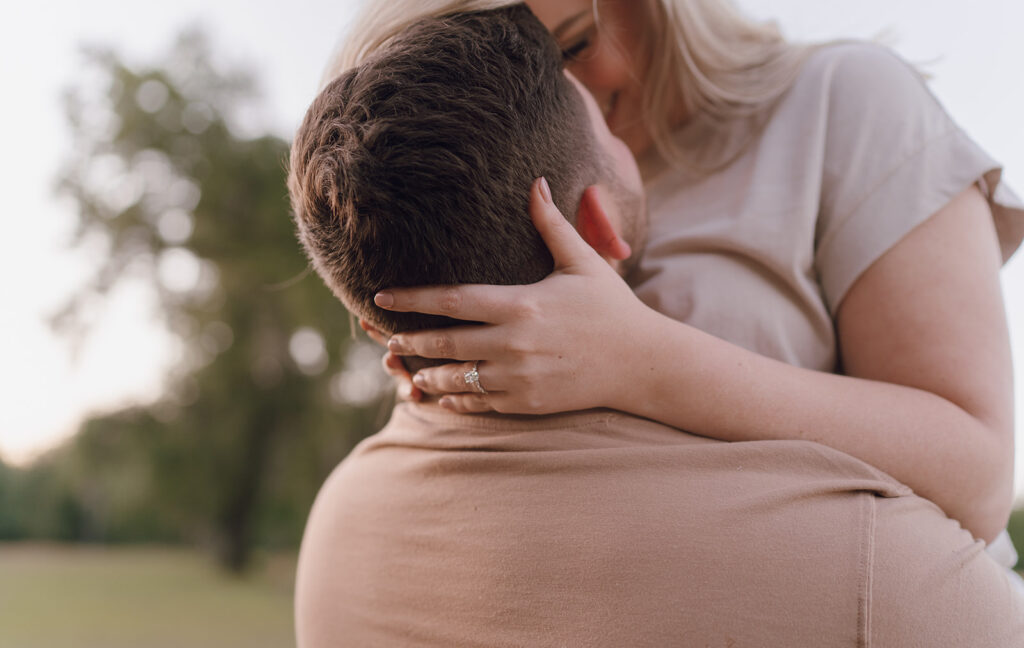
point(601, 529)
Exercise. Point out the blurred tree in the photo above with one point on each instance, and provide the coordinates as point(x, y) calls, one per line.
point(261, 403)
point(1016, 529)
point(10, 524)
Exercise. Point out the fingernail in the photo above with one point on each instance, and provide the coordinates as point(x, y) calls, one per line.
point(384, 299)
point(419, 380)
point(395, 346)
point(446, 403)
point(545, 190)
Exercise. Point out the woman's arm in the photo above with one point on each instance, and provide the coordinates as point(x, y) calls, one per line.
point(927, 395)
point(922, 335)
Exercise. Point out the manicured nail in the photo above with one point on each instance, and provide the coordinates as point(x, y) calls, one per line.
point(419, 380)
point(545, 190)
point(395, 346)
point(447, 403)
point(384, 299)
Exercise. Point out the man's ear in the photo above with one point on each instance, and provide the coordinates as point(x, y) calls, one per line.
point(596, 227)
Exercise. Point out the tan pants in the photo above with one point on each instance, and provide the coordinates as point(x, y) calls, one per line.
point(605, 530)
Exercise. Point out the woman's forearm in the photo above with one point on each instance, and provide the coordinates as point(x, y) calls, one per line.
point(924, 327)
point(720, 390)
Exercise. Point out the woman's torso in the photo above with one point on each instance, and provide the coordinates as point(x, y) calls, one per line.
point(761, 252)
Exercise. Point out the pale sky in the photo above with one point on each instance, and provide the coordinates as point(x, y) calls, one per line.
point(974, 57)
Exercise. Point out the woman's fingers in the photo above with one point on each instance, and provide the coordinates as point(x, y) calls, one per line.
point(566, 246)
point(394, 366)
point(451, 378)
point(466, 403)
point(473, 342)
point(471, 302)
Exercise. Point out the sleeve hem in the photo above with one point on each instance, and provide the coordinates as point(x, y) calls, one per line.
point(916, 189)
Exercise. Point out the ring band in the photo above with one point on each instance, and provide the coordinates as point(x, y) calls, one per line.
point(472, 377)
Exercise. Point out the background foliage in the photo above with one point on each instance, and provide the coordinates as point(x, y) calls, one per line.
point(270, 389)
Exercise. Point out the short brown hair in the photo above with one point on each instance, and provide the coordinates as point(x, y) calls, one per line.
point(415, 167)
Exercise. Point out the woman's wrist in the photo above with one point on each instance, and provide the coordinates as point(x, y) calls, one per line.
point(647, 366)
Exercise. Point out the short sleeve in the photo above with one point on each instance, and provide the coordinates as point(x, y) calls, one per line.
point(892, 158)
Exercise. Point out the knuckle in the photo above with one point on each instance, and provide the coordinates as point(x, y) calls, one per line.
point(444, 345)
point(451, 300)
point(532, 395)
point(458, 380)
point(517, 345)
point(527, 308)
point(518, 377)
point(533, 402)
point(507, 347)
point(528, 376)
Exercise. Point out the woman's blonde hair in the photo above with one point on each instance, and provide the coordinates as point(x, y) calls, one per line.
point(379, 21)
point(703, 58)
point(707, 59)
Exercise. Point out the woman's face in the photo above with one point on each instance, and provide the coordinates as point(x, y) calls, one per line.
point(604, 59)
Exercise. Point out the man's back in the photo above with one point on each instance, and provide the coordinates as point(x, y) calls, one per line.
point(601, 529)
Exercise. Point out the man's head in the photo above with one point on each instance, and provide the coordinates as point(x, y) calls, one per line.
point(415, 167)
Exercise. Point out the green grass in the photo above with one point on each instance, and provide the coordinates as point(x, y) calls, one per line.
point(54, 596)
point(67, 596)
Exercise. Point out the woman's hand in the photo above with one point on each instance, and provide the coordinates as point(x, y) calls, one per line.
point(561, 344)
point(394, 366)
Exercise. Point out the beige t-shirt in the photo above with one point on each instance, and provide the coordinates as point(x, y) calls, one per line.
point(602, 529)
point(856, 155)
